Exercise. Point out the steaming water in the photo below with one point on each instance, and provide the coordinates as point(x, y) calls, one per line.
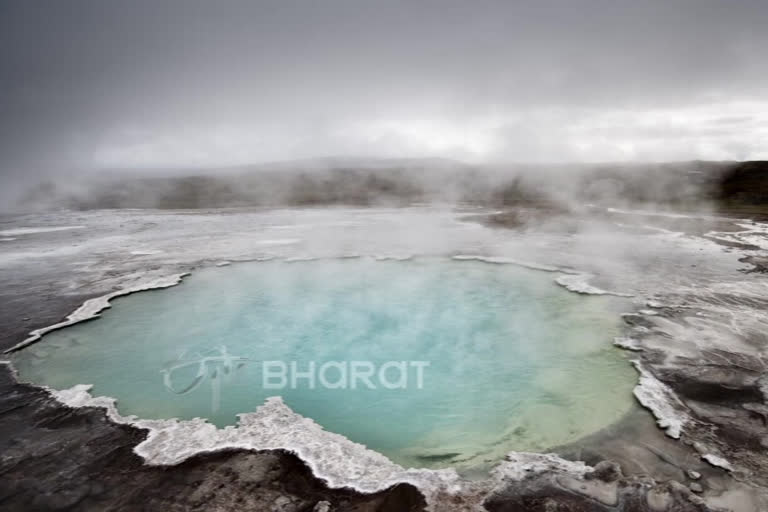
point(515, 361)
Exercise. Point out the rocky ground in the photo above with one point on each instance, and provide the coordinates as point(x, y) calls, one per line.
point(702, 350)
point(708, 351)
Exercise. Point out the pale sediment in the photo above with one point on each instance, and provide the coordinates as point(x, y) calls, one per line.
point(706, 390)
point(92, 307)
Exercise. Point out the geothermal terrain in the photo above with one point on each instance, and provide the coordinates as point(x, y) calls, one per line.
point(682, 246)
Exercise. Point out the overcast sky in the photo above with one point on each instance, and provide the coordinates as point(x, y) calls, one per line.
point(93, 84)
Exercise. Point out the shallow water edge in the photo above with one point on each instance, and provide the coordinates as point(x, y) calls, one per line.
point(273, 426)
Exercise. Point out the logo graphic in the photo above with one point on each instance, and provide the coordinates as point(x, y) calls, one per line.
point(216, 365)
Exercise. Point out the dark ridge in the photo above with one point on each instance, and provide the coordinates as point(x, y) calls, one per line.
point(737, 188)
point(746, 183)
point(716, 392)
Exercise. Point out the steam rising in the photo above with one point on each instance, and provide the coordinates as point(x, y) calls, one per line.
point(554, 188)
point(93, 85)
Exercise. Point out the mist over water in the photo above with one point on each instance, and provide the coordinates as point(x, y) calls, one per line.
point(514, 361)
point(423, 227)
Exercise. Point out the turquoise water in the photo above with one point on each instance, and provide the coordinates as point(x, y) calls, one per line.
point(514, 361)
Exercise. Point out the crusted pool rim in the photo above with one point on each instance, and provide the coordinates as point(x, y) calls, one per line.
point(332, 457)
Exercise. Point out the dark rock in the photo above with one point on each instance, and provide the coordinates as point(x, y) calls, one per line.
point(606, 471)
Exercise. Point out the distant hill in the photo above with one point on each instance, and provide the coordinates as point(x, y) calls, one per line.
point(745, 185)
point(730, 186)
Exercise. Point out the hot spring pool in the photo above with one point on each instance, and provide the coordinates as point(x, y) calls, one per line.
point(465, 360)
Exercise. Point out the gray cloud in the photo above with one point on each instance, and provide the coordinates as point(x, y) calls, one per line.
point(88, 84)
